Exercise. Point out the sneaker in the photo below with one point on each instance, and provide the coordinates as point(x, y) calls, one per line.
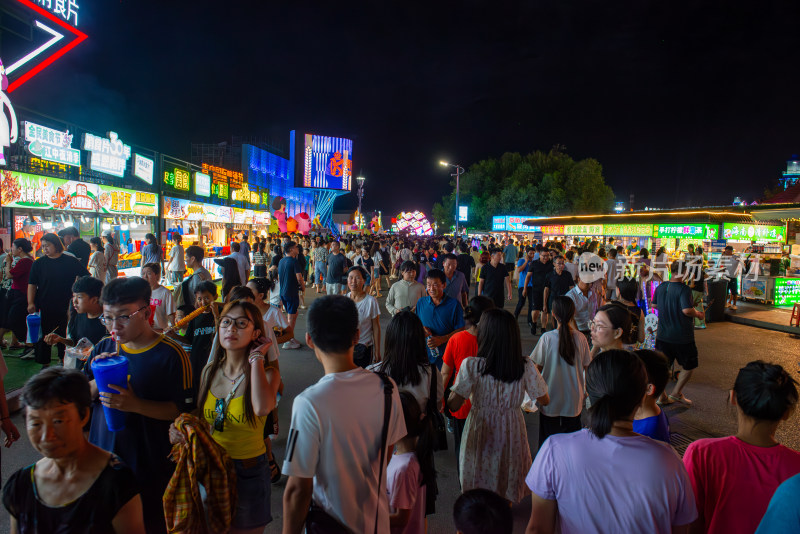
point(27, 356)
point(681, 398)
point(533, 329)
point(294, 344)
point(287, 345)
point(733, 307)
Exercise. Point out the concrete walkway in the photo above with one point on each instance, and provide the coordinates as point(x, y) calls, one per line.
point(762, 316)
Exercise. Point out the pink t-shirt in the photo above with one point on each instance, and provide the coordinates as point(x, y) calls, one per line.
point(631, 484)
point(403, 478)
point(734, 481)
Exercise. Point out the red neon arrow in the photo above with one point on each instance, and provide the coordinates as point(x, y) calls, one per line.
point(79, 38)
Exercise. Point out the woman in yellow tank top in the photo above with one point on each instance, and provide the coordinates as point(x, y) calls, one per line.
point(237, 392)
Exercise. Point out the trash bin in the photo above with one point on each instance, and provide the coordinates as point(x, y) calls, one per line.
point(717, 294)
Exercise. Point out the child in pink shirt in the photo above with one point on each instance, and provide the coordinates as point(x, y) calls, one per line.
point(734, 477)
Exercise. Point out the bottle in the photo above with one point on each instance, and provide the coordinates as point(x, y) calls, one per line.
point(434, 351)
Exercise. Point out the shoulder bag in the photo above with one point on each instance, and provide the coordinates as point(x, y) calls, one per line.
point(318, 521)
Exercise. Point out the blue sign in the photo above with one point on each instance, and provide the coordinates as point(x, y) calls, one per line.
point(322, 162)
point(513, 223)
point(463, 213)
point(499, 223)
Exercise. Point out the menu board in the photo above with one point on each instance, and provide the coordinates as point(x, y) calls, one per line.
point(628, 230)
point(21, 190)
point(753, 232)
point(787, 291)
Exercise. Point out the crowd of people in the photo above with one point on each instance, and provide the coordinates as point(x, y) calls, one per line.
point(205, 381)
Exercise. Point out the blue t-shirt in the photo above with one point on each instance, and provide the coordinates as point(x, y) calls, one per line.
point(783, 514)
point(441, 319)
point(656, 427)
point(161, 372)
point(522, 274)
point(288, 269)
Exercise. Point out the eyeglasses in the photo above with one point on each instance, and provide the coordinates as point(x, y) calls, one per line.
point(219, 420)
point(121, 320)
point(593, 325)
point(240, 322)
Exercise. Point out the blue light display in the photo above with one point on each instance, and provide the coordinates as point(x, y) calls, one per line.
point(265, 169)
point(322, 162)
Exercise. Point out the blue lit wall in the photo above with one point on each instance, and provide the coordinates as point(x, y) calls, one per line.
point(265, 169)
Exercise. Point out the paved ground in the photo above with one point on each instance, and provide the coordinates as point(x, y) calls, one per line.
point(724, 348)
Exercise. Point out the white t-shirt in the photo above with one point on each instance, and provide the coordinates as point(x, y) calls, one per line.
point(367, 310)
point(632, 484)
point(161, 298)
point(273, 317)
point(335, 438)
point(565, 382)
point(406, 254)
point(403, 477)
point(376, 260)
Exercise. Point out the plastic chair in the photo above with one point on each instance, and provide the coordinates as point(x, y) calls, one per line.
point(795, 320)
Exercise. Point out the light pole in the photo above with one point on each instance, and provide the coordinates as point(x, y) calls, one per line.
point(360, 181)
point(459, 169)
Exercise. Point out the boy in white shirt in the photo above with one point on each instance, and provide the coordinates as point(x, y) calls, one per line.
point(161, 301)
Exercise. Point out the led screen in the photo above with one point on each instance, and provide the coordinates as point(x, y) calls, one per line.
point(323, 162)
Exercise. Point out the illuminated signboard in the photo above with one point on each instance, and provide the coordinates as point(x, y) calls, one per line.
point(414, 223)
point(632, 230)
point(553, 229)
point(143, 168)
point(516, 223)
point(178, 179)
point(223, 180)
point(108, 155)
point(752, 232)
point(787, 291)
point(324, 162)
point(21, 190)
point(66, 10)
point(245, 195)
point(180, 209)
point(51, 145)
point(202, 184)
point(499, 223)
point(583, 229)
point(463, 213)
point(691, 231)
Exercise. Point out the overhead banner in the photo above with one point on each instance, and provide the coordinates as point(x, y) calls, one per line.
point(583, 229)
point(628, 230)
point(186, 210)
point(691, 231)
point(753, 232)
point(553, 229)
point(21, 190)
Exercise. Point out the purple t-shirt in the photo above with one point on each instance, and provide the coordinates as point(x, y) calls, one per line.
point(632, 484)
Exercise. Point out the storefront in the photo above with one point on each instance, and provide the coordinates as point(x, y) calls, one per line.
point(504, 226)
point(758, 280)
point(205, 225)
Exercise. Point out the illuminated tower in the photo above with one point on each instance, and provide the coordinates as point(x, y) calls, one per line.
point(792, 173)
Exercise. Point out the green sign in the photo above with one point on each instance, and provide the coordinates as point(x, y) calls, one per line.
point(632, 230)
point(753, 232)
point(787, 291)
point(690, 231)
point(583, 229)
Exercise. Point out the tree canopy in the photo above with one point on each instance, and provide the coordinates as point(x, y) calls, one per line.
point(538, 184)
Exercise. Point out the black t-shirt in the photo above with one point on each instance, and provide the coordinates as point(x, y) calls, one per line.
point(337, 265)
point(275, 260)
point(200, 335)
point(465, 265)
point(91, 513)
point(81, 250)
point(80, 326)
point(288, 268)
point(54, 278)
point(540, 271)
point(493, 282)
point(559, 284)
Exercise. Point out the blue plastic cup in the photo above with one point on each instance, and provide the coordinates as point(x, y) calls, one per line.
point(111, 371)
point(34, 324)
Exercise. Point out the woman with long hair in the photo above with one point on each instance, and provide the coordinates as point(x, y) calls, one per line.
point(238, 389)
point(735, 477)
point(97, 260)
point(405, 359)
point(463, 345)
point(562, 355)
point(111, 253)
point(368, 347)
point(230, 276)
point(611, 328)
point(151, 252)
point(495, 453)
point(629, 473)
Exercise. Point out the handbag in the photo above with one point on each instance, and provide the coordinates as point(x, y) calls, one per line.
point(436, 418)
point(318, 521)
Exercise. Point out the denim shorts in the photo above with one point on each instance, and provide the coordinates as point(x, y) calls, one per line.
point(253, 491)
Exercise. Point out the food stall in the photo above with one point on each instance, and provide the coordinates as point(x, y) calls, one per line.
point(760, 246)
point(205, 225)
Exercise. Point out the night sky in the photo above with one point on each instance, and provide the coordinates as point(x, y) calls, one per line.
point(683, 103)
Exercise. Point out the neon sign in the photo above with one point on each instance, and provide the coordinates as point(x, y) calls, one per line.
point(65, 9)
point(327, 162)
point(52, 145)
point(8, 128)
point(244, 194)
point(108, 155)
point(178, 178)
point(202, 184)
point(143, 168)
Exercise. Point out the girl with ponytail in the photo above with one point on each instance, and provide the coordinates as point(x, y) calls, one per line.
point(627, 473)
point(735, 477)
point(562, 355)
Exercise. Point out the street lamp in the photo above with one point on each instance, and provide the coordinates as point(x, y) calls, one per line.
point(459, 169)
point(360, 193)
